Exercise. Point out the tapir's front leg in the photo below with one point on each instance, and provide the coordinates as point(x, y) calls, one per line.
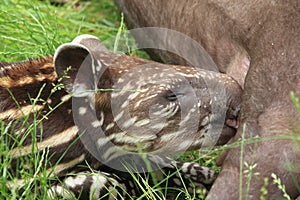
point(90, 185)
point(95, 185)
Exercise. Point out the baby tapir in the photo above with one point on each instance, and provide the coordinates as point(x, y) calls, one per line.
point(94, 107)
point(262, 36)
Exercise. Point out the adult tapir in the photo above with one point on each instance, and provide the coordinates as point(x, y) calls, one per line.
point(258, 44)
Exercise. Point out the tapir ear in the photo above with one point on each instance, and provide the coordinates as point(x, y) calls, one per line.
point(69, 59)
point(77, 63)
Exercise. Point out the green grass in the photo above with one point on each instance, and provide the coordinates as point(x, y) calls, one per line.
point(35, 28)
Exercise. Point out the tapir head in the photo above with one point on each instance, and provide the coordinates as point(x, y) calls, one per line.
point(143, 104)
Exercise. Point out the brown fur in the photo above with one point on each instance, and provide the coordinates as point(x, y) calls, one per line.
point(265, 32)
point(27, 72)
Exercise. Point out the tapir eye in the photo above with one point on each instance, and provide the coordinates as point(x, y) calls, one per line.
point(172, 96)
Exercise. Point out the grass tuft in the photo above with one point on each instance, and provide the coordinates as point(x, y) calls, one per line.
point(34, 28)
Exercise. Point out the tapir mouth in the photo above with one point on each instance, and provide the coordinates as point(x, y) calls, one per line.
point(229, 130)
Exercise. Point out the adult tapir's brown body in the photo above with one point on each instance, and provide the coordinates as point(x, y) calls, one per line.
point(264, 32)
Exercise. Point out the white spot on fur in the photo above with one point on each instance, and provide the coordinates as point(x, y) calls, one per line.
point(133, 95)
point(109, 153)
point(63, 166)
point(142, 122)
point(144, 99)
point(72, 182)
point(82, 110)
point(188, 75)
point(16, 113)
point(99, 183)
point(102, 141)
point(98, 68)
point(120, 80)
point(205, 121)
point(96, 124)
point(109, 126)
point(125, 104)
point(55, 140)
point(119, 116)
point(199, 103)
point(129, 122)
point(101, 118)
point(185, 167)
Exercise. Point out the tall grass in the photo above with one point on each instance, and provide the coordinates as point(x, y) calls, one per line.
point(35, 28)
